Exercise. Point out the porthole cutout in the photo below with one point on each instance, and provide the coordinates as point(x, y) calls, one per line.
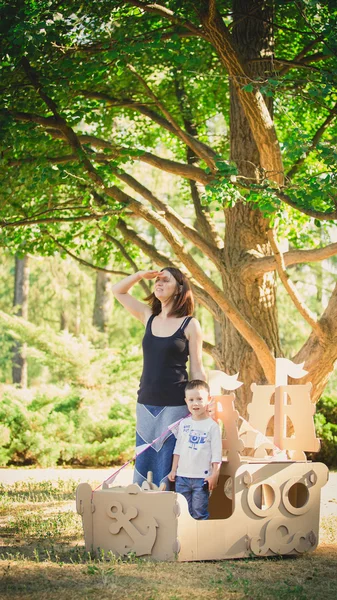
point(264, 496)
point(298, 495)
point(228, 488)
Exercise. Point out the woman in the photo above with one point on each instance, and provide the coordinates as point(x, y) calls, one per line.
point(171, 335)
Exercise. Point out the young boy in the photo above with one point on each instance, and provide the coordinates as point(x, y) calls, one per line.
point(198, 451)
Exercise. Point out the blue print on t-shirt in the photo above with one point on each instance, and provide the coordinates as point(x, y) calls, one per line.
point(195, 438)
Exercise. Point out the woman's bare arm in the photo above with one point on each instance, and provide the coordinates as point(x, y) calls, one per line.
point(194, 336)
point(120, 290)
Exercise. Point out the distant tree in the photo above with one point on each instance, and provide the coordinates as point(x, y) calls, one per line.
point(103, 304)
point(20, 303)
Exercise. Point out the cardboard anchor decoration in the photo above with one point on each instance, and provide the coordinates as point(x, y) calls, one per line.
point(267, 500)
point(141, 543)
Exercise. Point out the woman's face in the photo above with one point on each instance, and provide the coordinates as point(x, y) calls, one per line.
point(165, 286)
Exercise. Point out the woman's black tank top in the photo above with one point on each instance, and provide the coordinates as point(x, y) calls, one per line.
point(164, 374)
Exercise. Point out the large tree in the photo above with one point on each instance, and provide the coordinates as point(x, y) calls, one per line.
point(234, 99)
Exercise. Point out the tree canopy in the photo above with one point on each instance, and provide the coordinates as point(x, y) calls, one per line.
point(235, 100)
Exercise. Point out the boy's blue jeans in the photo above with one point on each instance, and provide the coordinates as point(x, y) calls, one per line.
point(197, 498)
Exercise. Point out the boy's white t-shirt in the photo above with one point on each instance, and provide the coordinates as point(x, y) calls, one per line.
point(198, 445)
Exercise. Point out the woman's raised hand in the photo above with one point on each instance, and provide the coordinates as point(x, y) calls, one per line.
point(150, 274)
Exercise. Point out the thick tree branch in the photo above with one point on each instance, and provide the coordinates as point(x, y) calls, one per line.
point(305, 63)
point(81, 260)
point(172, 217)
point(320, 357)
point(166, 34)
point(176, 168)
point(170, 166)
point(213, 351)
point(259, 266)
point(162, 11)
point(142, 108)
point(55, 160)
point(28, 221)
point(315, 140)
point(62, 125)
point(164, 164)
point(208, 348)
point(317, 57)
point(127, 257)
point(253, 103)
point(33, 118)
point(203, 223)
point(206, 300)
point(188, 140)
point(300, 56)
point(315, 214)
point(287, 65)
point(291, 289)
point(149, 250)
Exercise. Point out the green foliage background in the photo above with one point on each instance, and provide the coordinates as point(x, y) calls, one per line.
point(64, 429)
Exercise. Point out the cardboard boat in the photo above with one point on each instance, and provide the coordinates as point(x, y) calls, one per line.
point(265, 504)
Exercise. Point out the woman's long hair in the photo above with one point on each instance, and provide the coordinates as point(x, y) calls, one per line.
point(183, 301)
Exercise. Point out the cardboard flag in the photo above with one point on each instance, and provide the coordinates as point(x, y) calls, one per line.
point(286, 368)
point(218, 380)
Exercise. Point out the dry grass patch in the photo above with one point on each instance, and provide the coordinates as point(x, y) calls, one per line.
point(43, 558)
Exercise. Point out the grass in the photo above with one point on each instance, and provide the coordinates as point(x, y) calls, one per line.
point(43, 558)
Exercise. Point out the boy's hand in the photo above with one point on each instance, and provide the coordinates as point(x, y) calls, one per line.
point(172, 476)
point(212, 481)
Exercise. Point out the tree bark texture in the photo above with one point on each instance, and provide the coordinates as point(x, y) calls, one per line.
point(102, 306)
point(251, 39)
point(246, 229)
point(320, 355)
point(20, 303)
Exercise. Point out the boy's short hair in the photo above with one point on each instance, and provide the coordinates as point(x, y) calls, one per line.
point(195, 384)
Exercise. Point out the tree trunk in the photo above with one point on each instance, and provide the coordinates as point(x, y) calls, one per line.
point(320, 356)
point(20, 303)
point(217, 333)
point(102, 306)
point(246, 229)
point(78, 313)
point(251, 39)
point(64, 320)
